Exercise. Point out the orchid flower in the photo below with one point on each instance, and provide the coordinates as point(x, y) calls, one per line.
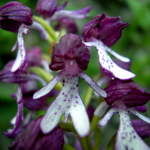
point(69, 55)
point(102, 32)
point(122, 97)
point(50, 10)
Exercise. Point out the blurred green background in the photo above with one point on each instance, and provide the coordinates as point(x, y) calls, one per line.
point(134, 44)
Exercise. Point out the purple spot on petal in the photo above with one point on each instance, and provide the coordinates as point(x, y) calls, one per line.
point(74, 105)
point(68, 107)
point(65, 100)
point(55, 113)
point(77, 102)
point(59, 107)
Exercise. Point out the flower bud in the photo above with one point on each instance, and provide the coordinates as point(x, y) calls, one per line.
point(46, 7)
point(13, 14)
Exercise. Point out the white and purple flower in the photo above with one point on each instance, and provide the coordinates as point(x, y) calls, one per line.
point(68, 56)
point(102, 32)
point(123, 97)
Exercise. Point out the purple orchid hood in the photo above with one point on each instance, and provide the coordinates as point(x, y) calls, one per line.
point(19, 76)
point(68, 24)
point(47, 7)
point(104, 28)
point(129, 92)
point(70, 55)
point(15, 13)
point(70, 48)
point(33, 138)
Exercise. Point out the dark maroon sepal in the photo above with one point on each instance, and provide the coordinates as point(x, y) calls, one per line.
point(33, 138)
point(19, 76)
point(104, 28)
point(128, 91)
point(142, 128)
point(46, 8)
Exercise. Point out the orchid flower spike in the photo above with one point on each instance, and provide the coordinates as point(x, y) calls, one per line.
point(122, 98)
point(102, 32)
point(68, 56)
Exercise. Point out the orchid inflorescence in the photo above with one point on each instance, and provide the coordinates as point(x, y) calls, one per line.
point(59, 74)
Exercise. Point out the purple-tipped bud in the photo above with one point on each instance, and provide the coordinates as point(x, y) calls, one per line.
point(68, 24)
point(33, 138)
point(69, 48)
point(13, 14)
point(46, 7)
point(128, 91)
point(142, 128)
point(19, 76)
point(104, 28)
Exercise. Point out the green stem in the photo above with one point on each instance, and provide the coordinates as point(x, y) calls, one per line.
point(94, 122)
point(48, 28)
point(67, 127)
point(97, 138)
point(83, 143)
point(89, 92)
point(46, 76)
point(68, 147)
point(86, 143)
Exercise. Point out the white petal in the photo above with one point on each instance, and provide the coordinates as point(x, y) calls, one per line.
point(92, 83)
point(47, 88)
point(53, 115)
point(144, 118)
point(80, 118)
point(20, 60)
point(127, 138)
point(107, 65)
point(122, 58)
point(107, 117)
point(21, 55)
point(100, 110)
